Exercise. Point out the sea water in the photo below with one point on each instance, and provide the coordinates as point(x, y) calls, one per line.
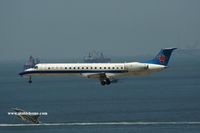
point(168, 101)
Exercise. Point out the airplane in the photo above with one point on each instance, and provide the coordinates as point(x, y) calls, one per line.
point(27, 117)
point(106, 73)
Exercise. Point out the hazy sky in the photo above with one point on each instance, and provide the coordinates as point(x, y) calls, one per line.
point(71, 28)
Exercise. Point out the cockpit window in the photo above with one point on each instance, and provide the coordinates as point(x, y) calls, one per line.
point(36, 67)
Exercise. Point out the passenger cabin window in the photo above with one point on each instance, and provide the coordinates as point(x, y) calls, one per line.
point(70, 68)
point(49, 68)
point(113, 68)
point(121, 67)
point(104, 67)
point(108, 67)
point(82, 67)
point(99, 67)
point(95, 67)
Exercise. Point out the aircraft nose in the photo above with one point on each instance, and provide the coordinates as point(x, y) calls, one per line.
point(21, 73)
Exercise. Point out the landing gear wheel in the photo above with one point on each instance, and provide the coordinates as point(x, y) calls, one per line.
point(103, 82)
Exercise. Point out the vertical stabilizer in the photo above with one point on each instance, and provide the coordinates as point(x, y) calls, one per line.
point(162, 58)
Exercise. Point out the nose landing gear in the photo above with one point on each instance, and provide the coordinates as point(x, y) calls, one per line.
point(30, 80)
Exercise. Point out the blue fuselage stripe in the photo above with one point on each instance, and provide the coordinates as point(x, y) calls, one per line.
point(70, 72)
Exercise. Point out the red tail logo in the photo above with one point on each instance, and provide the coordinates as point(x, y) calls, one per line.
point(162, 59)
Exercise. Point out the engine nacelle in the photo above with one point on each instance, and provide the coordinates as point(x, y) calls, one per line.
point(136, 66)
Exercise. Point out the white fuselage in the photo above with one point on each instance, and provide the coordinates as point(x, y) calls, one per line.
point(111, 70)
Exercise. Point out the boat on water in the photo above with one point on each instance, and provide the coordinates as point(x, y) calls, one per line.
point(31, 62)
point(96, 57)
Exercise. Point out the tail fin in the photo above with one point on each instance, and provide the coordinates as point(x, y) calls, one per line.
point(163, 57)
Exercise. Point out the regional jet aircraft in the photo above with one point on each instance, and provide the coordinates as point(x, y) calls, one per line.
point(104, 72)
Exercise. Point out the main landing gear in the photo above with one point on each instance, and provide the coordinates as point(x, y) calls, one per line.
point(30, 80)
point(105, 81)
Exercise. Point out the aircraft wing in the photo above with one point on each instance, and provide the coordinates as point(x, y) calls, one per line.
point(100, 77)
point(95, 75)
